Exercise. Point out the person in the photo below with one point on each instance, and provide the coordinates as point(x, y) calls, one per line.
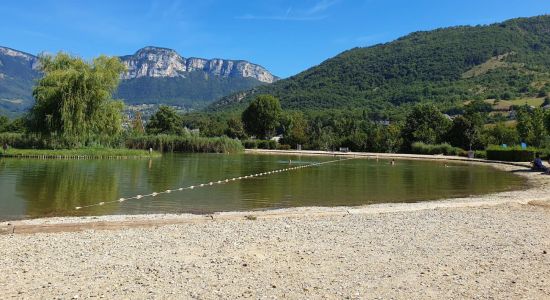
point(538, 165)
point(5, 147)
point(392, 162)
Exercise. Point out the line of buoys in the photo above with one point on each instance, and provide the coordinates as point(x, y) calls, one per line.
point(154, 194)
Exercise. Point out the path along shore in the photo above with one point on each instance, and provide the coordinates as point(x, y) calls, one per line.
point(491, 246)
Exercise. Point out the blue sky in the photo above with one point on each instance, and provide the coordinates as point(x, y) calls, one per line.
point(284, 36)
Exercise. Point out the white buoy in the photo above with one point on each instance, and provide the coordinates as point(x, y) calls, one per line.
point(180, 189)
point(121, 200)
point(78, 207)
point(154, 194)
point(202, 184)
point(168, 191)
point(101, 203)
point(139, 196)
point(191, 187)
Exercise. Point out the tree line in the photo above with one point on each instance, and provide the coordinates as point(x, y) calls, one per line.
point(359, 130)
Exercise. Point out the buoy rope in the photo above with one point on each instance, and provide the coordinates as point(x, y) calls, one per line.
point(211, 183)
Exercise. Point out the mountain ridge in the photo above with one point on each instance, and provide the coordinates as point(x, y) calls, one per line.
point(215, 66)
point(155, 77)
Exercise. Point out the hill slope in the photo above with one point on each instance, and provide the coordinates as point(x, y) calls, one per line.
point(503, 60)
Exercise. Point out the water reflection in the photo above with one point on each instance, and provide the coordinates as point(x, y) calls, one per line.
point(35, 188)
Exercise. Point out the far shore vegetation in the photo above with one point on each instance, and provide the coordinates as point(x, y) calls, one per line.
point(74, 111)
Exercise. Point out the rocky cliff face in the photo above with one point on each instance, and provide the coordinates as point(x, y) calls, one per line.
point(161, 62)
point(155, 75)
point(18, 71)
point(22, 57)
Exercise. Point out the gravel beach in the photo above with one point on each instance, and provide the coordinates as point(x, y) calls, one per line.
point(493, 246)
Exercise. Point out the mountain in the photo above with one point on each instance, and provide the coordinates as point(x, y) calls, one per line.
point(154, 76)
point(18, 70)
point(161, 75)
point(447, 66)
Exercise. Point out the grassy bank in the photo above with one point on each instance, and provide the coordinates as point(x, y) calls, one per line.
point(85, 153)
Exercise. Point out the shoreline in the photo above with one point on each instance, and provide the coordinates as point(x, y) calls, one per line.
point(537, 191)
point(492, 246)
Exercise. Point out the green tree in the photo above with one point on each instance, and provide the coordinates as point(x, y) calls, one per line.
point(137, 124)
point(465, 131)
point(4, 123)
point(356, 141)
point(531, 125)
point(294, 129)
point(73, 99)
point(539, 128)
point(261, 117)
point(235, 129)
point(17, 125)
point(501, 134)
point(392, 139)
point(425, 123)
point(165, 121)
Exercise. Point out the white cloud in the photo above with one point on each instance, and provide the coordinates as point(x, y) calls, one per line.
point(321, 6)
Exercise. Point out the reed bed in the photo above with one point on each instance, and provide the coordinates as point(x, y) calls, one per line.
point(188, 143)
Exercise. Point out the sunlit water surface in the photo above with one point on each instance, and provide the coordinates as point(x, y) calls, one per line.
point(32, 188)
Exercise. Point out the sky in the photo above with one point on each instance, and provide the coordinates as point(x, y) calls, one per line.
point(284, 36)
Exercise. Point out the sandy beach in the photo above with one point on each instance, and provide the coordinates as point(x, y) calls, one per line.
point(491, 246)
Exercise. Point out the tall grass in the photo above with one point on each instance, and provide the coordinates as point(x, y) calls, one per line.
point(36, 141)
point(163, 143)
point(20, 140)
point(188, 143)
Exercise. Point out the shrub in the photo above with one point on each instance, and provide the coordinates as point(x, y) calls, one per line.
point(260, 144)
point(511, 153)
point(250, 144)
point(283, 147)
point(480, 154)
point(446, 149)
point(267, 144)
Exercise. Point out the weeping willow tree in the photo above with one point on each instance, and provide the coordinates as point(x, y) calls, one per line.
point(74, 104)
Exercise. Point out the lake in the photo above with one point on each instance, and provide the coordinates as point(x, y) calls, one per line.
point(31, 188)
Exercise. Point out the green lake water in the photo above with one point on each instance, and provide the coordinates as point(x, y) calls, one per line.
point(32, 188)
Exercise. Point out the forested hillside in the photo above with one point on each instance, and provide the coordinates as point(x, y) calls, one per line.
point(447, 66)
point(195, 90)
